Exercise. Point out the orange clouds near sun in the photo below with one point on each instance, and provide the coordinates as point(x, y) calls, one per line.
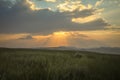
point(61, 38)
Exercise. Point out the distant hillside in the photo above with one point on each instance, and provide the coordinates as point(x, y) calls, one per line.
point(105, 50)
point(59, 48)
point(109, 50)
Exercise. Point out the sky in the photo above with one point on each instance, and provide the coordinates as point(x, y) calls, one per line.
point(53, 23)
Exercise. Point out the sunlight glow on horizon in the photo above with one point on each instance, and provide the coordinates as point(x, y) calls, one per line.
point(59, 38)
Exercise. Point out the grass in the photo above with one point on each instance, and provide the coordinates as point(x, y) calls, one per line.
point(29, 64)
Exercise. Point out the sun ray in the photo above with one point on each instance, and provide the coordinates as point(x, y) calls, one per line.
point(58, 39)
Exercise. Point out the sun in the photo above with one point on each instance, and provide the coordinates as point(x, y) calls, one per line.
point(60, 33)
point(59, 39)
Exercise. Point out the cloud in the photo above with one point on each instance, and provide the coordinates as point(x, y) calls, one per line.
point(83, 13)
point(32, 5)
point(50, 0)
point(98, 3)
point(86, 19)
point(82, 39)
point(21, 19)
point(27, 37)
point(115, 28)
point(77, 35)
point(70, 6)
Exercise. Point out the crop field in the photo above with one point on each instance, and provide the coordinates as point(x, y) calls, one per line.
point(35, 64)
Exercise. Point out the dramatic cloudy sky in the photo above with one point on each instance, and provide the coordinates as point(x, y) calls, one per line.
point(51, 23)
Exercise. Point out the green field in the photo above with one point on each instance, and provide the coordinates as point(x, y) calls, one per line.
point(34, 64)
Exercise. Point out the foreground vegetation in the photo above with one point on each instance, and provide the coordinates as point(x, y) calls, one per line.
point(29, 64)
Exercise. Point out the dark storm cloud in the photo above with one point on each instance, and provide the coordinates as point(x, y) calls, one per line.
point(20, 19)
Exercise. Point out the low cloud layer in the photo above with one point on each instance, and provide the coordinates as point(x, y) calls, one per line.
point(27, 37)
point(18, 17)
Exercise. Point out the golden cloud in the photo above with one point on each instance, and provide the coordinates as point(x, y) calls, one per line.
point(65, 6)
point(86, 19)
point(62, 38)
point(70, 6)
point(50, 0)
point(98, 3)
point(34, 7)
